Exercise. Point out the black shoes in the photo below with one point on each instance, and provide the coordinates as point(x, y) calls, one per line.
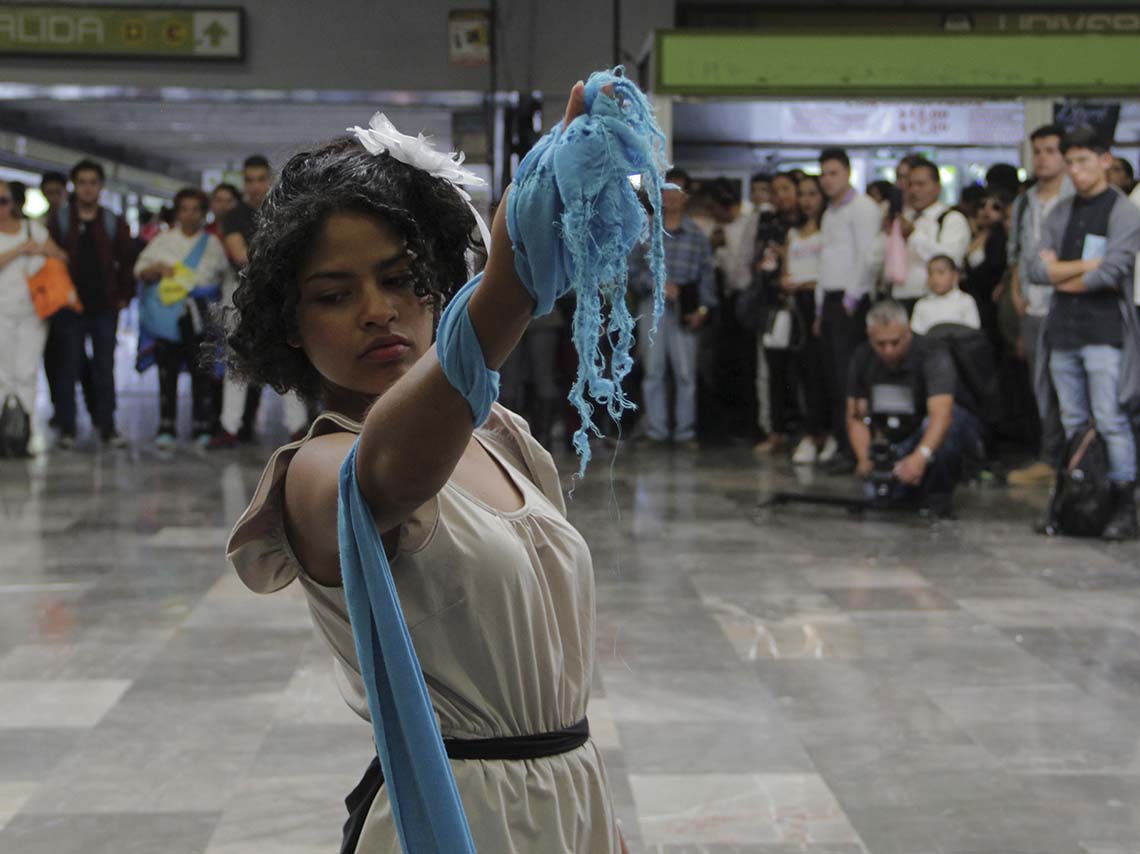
point(842, 464)
point(1122, 525)
point(113, 439)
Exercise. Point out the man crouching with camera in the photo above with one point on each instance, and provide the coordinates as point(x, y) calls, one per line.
point(907, 434)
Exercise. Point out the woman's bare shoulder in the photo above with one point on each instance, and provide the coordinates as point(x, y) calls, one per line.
point(312, 486)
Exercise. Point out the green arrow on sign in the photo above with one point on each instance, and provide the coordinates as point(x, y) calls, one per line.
point(215, 33)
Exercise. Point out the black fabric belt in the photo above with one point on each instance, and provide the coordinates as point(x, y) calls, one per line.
point(510, 748)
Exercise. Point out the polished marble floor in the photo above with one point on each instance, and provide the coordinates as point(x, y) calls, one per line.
point(769, 681)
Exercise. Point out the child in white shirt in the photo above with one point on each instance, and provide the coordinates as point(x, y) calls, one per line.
point(944, 302)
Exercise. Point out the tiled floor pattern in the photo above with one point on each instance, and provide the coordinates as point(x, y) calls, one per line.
point(768, 681)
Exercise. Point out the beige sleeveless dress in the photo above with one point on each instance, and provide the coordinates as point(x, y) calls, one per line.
point(501, 611)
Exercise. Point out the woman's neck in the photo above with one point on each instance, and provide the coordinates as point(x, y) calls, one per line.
point(351, 404)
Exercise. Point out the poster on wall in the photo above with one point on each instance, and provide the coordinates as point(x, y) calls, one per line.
point(469, 37)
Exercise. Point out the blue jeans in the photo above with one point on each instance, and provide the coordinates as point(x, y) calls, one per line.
point(1088, 388)
point(675, 347)
point(73, 331)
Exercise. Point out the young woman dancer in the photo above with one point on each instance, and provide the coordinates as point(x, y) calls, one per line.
point(354, 258)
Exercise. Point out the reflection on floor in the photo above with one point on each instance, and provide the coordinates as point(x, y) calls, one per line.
point(781, 681)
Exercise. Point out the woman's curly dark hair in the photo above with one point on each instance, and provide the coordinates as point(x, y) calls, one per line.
point(427, 212)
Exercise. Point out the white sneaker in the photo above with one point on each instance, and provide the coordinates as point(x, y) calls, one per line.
point(38, 444)
point(830, 449)
point(805, 453)
point(165, 441)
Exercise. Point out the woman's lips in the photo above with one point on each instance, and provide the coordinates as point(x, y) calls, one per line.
point(387, 353)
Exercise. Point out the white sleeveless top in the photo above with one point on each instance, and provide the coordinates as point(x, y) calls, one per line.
point(500, 607)
point(803, 256)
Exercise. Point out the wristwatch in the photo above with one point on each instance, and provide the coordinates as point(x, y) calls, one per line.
point(927, 453)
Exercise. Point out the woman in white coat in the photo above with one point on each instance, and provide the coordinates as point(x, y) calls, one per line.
point(23, 246)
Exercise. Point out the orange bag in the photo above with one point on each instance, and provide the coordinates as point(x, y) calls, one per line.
point(52, 289)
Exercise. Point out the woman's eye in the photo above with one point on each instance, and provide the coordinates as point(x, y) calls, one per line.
point(332, 298)
point(399, 280)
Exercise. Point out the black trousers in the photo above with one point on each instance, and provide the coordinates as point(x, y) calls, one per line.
point(732, 391)
point(70, 333)
point(172, 357)
point(841, 334)
point(54, 356)
point(797, 382)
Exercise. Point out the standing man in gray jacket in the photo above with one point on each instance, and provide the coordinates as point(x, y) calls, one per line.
point(1091, 337)
point(1031, 299)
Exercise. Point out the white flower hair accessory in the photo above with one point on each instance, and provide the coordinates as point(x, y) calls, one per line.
point(381, 136)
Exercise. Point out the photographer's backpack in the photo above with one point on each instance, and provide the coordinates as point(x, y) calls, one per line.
point(1082, 500)
point(15, 428)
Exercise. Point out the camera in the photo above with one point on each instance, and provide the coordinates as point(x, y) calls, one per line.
point(892, 420)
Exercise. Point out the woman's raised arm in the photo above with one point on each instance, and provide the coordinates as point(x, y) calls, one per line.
point(416, 432)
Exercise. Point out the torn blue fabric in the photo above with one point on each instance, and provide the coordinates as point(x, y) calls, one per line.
point(574, 217)
point(418, 781)
point(461, 355)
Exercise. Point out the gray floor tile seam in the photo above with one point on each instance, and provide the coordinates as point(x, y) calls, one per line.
point(55, 782)
point(7, 659)
point(1064, 680)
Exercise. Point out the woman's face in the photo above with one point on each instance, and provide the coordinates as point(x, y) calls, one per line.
point(361, 324)
point(784, 195)
point(991, 212)
point(811, 200)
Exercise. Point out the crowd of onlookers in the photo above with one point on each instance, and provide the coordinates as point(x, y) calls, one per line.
point(1009, 314)
point(182, 263)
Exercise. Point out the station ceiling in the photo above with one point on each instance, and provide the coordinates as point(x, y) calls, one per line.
point(183, 132)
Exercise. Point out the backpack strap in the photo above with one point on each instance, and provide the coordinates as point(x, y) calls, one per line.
point(194, 256)
point(63, 220)
point(942, 220)
point(111, 224)
point(1019, 209)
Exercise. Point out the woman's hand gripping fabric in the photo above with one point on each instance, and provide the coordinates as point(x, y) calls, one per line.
point(574, 216)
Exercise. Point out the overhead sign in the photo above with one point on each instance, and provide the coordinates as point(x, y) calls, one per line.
point(926, 123)
point(135, 32)
point(955, 65)
point(904, 19)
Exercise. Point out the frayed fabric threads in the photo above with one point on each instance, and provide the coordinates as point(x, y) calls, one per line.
point(574, 217)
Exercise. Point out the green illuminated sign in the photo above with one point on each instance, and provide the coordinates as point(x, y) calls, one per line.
point(122, 32)
point(698, 62)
